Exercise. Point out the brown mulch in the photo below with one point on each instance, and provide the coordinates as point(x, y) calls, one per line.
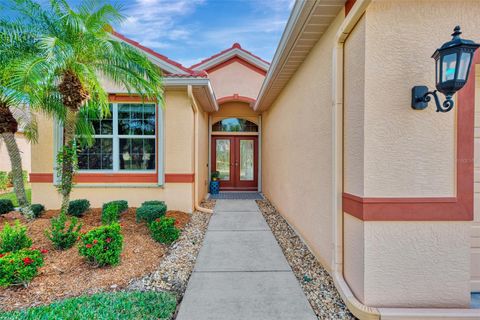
point(66, 273)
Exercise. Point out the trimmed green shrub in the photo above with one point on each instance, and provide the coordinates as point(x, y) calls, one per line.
point(154, 203)
point(20, 267)
point(4, 181)
point(14, 238)
point(24, 176)
point(110, 214)
point(37, 209)
point(150, 212)
point(78, 207)
point(163, 230)
point(122, 205)
point(145, 305)
point(6, 205)
point(63, 233)
point(102, 246)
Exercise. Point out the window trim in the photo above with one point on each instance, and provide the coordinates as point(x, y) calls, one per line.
point(159, 138)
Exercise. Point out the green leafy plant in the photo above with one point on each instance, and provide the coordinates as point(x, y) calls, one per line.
point(24, 176)
point(37, 209)
point(14, 238)
point(78, 207)
point(145, 305)
point(153, 203)
point(122, 205)
point(103, 245)
point(63, 232)
point(163, 230)
point(6, 205)
point(20, 267)
point(4, 181)
point(110, 214)
point(149, 213)
point(215, 175)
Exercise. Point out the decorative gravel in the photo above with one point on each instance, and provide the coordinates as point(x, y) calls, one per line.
point(175, 269)
point(314, 279)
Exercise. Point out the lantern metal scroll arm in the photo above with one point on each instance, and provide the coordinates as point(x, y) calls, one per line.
point(421, 96)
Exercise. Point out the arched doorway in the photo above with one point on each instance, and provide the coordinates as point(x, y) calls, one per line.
point(235, 153)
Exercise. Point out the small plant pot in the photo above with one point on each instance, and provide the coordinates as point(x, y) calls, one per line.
point(214, 187)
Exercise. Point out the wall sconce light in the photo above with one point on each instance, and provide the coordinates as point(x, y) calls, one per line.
point(452, 67)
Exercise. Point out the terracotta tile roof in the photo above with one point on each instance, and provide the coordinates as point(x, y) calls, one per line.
point(155, 54)
point(236, 45)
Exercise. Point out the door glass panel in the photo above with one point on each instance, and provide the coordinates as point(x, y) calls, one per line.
point(223, 158)
point(246, 160)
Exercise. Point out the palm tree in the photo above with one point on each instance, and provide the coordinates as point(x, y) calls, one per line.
point(76, 49)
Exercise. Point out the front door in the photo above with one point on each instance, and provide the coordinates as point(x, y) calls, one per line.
point(236, 158)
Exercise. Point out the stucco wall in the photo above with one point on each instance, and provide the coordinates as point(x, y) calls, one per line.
point(297, 149)
point(25, 153)
point(179, 153)
point(475, 250)
point(406, 153)
point(203, 156)
point(236, 78)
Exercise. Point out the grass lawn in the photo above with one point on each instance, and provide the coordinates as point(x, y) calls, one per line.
point(11, 196)
point(117, 305)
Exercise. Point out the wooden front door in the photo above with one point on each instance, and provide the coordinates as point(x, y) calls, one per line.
point(236, 158)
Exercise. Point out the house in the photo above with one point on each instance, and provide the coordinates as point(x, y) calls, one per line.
point(382, 194)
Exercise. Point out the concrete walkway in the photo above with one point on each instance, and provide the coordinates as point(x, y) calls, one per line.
point(241, 272)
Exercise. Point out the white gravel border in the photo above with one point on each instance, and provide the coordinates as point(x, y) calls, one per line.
point(313, 278)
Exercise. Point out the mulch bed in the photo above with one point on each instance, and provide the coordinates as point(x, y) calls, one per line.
point(66, 273)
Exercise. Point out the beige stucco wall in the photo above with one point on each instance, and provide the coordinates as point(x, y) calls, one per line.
point(203, 155)
point(178, 151)
point(236, 78)
point(406, 153)
point(297, 149)
point(25, 153)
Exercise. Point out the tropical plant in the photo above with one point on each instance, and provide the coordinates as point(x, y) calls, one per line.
point(110, 214)
point(149, 213)
point(19, 267)
point(37, 209)
point(14, 238)
point(122, 205)
point(78, 207)
point(63, 233)
point(76, 49)
point(6, 206)
point(103, 245)
point(163, 230)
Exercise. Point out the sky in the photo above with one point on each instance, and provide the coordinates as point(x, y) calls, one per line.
point(189, 31)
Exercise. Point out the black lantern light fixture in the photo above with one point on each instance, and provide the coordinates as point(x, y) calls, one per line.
point(452, 67)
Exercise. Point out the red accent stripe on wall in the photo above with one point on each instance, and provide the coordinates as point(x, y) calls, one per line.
point(117, 178)
point(127, 98)
point(459, 208)
point(348, 6)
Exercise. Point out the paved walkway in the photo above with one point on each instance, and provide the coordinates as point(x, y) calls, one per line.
point(241, 272)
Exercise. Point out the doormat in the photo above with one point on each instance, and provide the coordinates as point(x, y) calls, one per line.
point(237, 196)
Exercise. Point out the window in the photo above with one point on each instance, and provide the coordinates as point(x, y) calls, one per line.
point(124, 142)
point(234, 125)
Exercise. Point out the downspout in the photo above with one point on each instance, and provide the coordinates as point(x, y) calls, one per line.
point(354, 305)
point(195, 152)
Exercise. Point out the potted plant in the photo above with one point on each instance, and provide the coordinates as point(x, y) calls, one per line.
point(215, 182)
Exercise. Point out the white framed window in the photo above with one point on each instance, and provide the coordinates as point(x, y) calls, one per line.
point(124, 142)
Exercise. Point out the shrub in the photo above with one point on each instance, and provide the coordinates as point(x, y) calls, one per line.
point(24, 176)
point(6, 205)
point(146, 305)
point(37, 209)
point(4, 181)
point(110, 214)
point(150, 212)
point(19, 267)
point(61, 235)
point(14, 238)
point(78, 207)
point(122, 205)
point(154, 203)
point(163, 230)
point(103, 245)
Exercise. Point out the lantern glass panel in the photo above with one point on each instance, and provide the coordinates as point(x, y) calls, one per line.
point(449, 64)
point(437, 71)
point(463, 66)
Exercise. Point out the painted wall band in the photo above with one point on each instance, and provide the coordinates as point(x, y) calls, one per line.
point(117, 178)
point(459, 208)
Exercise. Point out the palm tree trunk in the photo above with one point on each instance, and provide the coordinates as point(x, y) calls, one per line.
point(17, 172)
point(68, 159)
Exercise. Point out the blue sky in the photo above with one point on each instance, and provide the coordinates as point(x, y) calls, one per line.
point(190, 30)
